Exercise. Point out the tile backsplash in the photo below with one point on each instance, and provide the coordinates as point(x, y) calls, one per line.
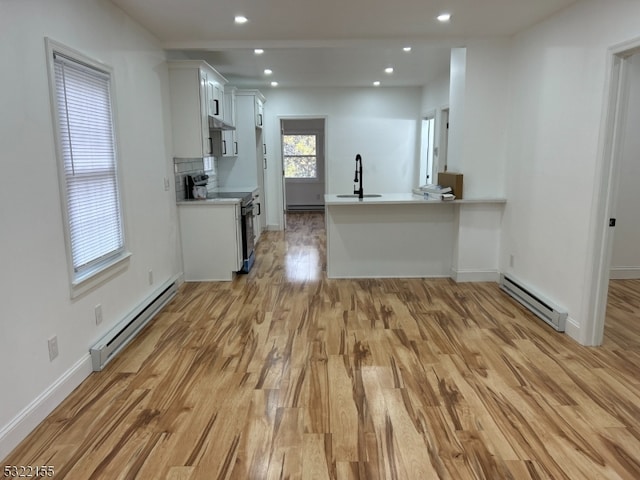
point(194, 166)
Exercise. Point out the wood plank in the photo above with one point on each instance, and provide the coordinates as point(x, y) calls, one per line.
point(283, 373)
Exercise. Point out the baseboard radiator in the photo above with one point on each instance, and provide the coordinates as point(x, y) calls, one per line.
point(116, 339)
point(305, 208)
point(546, 310)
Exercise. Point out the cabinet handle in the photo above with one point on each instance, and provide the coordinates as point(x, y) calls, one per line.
point(235, 147)
point(224, 147)
point(264, 148)
point(211, 145)
point(259, 119)
point(264, 162)
point(217, 107)
point(259, 209)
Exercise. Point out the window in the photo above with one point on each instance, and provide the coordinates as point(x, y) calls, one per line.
point(88, 164)
point(300, 156)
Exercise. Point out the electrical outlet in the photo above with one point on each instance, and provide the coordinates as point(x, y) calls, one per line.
point(150, 277)
point(53, 348)
point(98, 311)
point(511, 260)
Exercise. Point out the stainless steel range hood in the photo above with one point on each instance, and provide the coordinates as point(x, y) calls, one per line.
point(217, 124)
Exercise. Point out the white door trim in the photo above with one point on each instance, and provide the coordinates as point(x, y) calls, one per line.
point(605, 192)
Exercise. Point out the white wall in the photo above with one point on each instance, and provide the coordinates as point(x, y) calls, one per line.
point(35, 300)
point(381, 124)
point(457, 96)
point(435, 95)
point(558, 71)
point(478, 99)
point(479, 95)
point(625, 262)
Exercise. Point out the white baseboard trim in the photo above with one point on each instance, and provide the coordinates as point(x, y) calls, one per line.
point(624, 273)
point(572, 329)
point(462, 276)
point(34, 413)
point(366, 276)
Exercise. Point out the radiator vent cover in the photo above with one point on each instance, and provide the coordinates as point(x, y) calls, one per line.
point(118, 337)
point(545, 309)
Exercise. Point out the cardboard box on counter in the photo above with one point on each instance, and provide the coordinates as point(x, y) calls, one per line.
point(453, 180)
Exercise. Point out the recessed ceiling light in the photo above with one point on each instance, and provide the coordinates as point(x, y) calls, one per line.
point(241, 19)
point(388, 70)
point(376, 83)
point(258, 51)
point(407, 49)
point(274, 84)
point(268, 71)
point(444, 17)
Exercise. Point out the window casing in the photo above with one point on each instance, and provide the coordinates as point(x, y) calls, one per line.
point(87, 159)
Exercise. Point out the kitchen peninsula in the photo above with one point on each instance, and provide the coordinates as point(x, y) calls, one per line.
point(405, 235)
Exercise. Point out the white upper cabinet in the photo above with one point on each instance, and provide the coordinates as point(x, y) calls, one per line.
point(197, 93)
point(229, 146)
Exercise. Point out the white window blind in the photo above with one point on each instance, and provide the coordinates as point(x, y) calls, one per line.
point(87, 145)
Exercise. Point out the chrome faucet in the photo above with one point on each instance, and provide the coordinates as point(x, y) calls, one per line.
point(358, 178)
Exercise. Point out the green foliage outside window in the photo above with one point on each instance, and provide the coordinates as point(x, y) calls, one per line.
point(299, 153)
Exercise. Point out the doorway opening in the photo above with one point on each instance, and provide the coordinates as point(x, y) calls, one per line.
point(303, 164)
point(427, 149)
point(623, 105)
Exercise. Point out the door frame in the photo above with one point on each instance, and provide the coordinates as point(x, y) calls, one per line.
point(283, 192)
point(430, 151)
point(441, 159)
point(605, 191)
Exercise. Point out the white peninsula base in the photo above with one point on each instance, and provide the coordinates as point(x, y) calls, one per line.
point(404, 235)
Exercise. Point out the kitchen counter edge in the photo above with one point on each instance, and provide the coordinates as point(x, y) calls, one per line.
point(211, 201)
point(404, 198)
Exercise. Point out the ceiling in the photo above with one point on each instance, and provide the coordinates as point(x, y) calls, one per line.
point(344, 43)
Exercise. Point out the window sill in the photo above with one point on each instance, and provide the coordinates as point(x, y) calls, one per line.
point(90, 280)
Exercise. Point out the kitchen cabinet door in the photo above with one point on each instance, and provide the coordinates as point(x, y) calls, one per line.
point(229, 147)
point(215, 98)
point(259, 111)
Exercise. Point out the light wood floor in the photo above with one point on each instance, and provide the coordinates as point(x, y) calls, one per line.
point(284, 374)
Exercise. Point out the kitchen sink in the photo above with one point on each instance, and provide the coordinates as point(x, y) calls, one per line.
point(355, 195)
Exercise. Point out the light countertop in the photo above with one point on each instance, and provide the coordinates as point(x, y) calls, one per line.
point(250, 188)
point(211, 201)
point(220, 201)
point(401, 198)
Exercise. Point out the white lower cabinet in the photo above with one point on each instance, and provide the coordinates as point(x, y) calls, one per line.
point(211, 237)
